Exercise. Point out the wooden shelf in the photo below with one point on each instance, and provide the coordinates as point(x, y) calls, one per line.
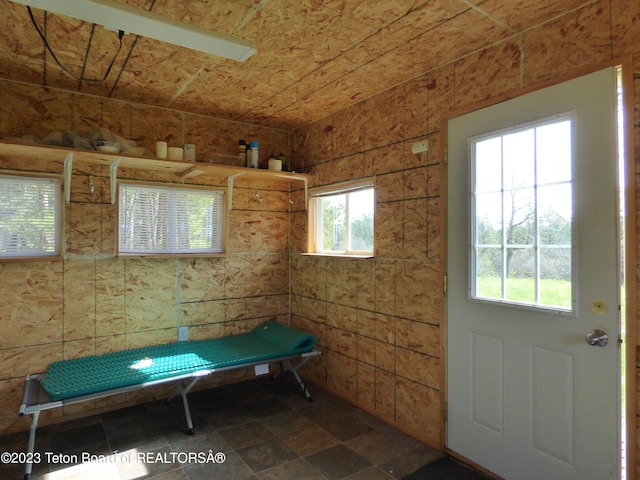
point(25, 153)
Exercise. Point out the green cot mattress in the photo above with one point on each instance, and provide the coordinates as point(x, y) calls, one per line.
point(87, 375)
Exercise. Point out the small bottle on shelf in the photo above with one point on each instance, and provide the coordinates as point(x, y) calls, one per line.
point(242, 153)
point(283, 159)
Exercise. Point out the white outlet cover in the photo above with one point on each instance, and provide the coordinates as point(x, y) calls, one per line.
point(419, 147)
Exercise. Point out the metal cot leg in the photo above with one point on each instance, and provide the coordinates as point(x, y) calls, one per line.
point(298, 379)
point(32, 445)
point(184, 391)
point(187, 413)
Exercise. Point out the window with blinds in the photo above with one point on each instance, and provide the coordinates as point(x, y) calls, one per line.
point(29, 217)
point(168, 220)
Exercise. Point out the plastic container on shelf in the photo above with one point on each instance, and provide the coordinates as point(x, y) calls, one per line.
point(253, 154)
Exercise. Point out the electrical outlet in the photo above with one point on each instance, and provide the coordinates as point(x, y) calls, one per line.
point(419, 147)
point(183, 334)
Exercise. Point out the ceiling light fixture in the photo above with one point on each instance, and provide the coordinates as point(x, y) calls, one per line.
point(118, 16)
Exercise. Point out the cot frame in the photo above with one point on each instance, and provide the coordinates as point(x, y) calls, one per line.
point(35, 399)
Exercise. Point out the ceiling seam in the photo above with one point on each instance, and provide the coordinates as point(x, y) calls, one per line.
point(490, 17)
point(250, 14)
point(186, 84)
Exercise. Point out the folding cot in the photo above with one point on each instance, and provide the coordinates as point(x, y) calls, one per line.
point(88, 378)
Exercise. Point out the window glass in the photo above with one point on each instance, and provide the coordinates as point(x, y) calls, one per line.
point(344, 220)
point(165, 220)
point(332, 224)
point(29, 216)
point(360, 221)
point(522, 221)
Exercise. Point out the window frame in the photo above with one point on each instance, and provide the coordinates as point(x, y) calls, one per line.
point(168, 253)
point(58, 219)
point(342, 188)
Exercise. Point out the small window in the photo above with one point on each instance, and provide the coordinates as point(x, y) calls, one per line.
point(29, 217)
point(167, 220)
point(342, 219)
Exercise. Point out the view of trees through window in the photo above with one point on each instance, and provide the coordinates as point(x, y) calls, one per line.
point(346, 222)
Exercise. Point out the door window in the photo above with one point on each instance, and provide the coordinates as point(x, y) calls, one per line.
point(522, 215)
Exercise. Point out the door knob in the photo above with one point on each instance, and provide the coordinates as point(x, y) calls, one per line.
point(597, 338)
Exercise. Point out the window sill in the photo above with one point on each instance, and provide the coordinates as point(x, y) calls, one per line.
point(339, 255)
point(171, 255)
point(32, 258)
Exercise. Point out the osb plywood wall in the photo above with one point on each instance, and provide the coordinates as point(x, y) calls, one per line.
point(92, 302)
point(379, 320)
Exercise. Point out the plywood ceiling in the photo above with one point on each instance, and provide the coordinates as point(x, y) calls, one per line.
point(314, 56)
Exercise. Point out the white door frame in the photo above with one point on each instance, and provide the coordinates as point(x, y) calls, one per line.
point(630, 254)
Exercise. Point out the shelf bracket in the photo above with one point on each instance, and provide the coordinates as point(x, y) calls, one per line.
point(230, 180)
point(113, 177)
point(306, 187)
point(193, 171)
point(68, 167)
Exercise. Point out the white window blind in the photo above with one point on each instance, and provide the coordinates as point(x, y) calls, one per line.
point(167, 220)
point(29, 216)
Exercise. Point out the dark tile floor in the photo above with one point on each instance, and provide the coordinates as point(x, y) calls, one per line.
point(265, 429)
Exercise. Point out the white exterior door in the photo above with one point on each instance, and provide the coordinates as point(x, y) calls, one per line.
point(532, 270)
